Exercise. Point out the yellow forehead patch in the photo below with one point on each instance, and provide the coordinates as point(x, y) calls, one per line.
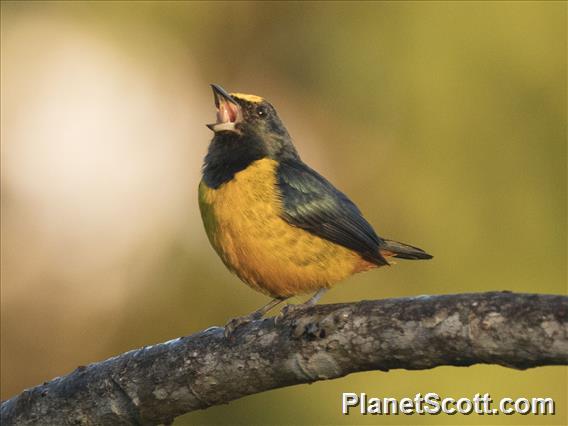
point(248, 98)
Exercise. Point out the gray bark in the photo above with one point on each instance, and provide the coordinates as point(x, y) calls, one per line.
point(154, 384)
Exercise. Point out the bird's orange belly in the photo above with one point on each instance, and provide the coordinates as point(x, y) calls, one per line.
point(242, 220)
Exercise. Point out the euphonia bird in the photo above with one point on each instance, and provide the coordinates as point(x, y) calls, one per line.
point(279, 225)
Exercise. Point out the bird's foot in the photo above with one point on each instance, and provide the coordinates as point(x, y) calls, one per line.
point(238, 322)
point(289, 310)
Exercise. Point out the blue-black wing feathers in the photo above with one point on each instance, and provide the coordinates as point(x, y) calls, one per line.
point(312, 203)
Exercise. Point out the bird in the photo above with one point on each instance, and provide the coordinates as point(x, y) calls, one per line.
point(275, 222)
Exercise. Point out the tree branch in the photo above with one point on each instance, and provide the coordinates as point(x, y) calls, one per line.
point(154, 384)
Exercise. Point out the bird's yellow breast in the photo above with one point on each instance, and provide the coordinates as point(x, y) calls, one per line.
point(242, 220)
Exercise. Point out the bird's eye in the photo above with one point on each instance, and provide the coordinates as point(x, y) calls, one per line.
point(261, 111)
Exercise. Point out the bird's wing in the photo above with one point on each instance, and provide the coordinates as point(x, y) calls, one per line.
point(312, 203)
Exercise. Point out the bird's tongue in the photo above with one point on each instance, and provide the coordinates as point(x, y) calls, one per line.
point(227, 113)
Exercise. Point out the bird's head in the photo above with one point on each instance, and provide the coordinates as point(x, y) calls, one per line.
point(248, 118)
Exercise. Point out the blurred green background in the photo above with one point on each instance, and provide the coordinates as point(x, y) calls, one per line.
point(445, 122)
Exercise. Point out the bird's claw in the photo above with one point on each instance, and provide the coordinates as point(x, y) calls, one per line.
point(238, 322)
point(288, 310)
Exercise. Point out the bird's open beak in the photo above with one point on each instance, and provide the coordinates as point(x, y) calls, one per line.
point(229, 112)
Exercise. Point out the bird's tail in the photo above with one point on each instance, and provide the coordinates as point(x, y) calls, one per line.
point(403, 251)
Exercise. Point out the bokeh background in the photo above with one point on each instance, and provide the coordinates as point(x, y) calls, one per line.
point(445, 122)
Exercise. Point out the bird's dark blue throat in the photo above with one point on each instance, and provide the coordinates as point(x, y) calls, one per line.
point(229, 154)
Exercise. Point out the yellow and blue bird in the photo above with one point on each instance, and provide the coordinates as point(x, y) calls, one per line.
point(275, 222)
